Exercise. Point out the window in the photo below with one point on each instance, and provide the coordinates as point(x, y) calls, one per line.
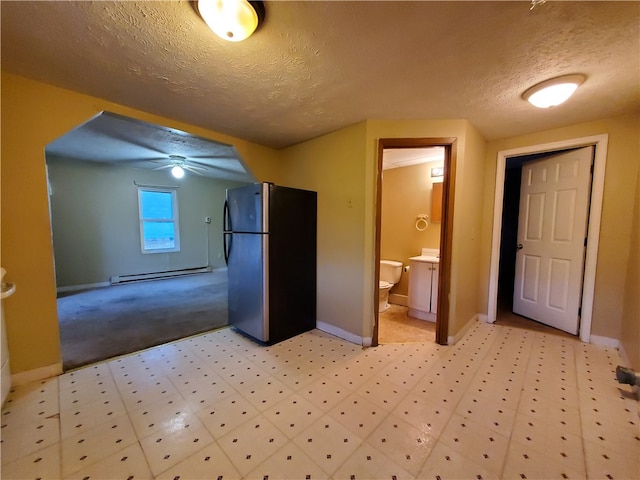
point(158, 212)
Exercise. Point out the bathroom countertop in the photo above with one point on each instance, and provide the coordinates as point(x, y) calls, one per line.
point(426, 258)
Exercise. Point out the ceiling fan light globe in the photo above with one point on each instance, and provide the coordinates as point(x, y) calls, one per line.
point(177, 171)
point(231, 20)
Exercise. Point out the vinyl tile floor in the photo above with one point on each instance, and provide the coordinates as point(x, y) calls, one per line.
point(501, 403)
point(396, 326)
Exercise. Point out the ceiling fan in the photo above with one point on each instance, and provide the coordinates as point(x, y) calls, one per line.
point(178, 164)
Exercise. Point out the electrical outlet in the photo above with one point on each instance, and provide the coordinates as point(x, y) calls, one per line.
point(207, 219)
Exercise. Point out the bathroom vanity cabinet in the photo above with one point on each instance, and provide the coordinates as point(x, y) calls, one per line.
point(423, 287)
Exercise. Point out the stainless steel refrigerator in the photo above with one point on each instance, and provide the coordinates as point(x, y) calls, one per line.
point(270, 250)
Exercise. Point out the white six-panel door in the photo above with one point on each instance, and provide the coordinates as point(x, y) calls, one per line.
point(552, 226)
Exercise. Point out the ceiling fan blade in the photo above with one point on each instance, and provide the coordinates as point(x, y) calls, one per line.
point(197, 167)
point(192, 170)
point(122, 161)
point(163, 167)
point(214, 157)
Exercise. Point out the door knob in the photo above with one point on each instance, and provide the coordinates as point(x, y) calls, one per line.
point(519, 246)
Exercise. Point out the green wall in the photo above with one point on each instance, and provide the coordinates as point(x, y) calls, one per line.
point(96, 234)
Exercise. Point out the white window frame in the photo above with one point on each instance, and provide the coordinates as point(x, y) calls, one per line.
point(174, 220)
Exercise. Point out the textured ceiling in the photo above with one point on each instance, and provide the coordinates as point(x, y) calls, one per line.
point(317, 66)
point(112, 138)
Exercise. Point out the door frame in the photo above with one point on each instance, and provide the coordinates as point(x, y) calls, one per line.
point(446, 227)
point(600, 143)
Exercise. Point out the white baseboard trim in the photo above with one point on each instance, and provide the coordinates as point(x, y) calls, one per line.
point(604, 341)
point(36, 374)
point(483, 318)
point(340, 333)
point(398, 299)
point(624, 359)
point(453, 339)
point(86, 286)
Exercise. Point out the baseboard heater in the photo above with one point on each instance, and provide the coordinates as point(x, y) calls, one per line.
point(157, 275)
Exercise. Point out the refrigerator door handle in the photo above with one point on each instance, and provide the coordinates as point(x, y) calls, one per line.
point(226, 227)
point(226, 218)
point(226, 246)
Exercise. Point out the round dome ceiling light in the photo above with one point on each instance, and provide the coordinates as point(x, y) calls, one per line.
point(232, 20)
point(554, 91)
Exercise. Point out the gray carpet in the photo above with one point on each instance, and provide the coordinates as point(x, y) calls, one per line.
point(106, 322)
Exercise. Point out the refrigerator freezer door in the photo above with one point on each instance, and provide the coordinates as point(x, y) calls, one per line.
point(248, 286)
point(247, 208)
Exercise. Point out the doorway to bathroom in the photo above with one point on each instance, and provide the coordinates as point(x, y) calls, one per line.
point(411, 240)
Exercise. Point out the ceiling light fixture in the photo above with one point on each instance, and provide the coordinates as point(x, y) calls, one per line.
point(554, 91)
point(177, 171)
point(232, 20)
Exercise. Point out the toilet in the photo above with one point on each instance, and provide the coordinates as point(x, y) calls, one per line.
point(390, 273)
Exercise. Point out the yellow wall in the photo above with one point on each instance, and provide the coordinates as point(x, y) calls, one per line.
point(630, 337)
point(406, 193)
point(623, 162)
point(341, 167)
point(465, 254)
point(334, 166)
point(33, 115)
point(467, 229)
